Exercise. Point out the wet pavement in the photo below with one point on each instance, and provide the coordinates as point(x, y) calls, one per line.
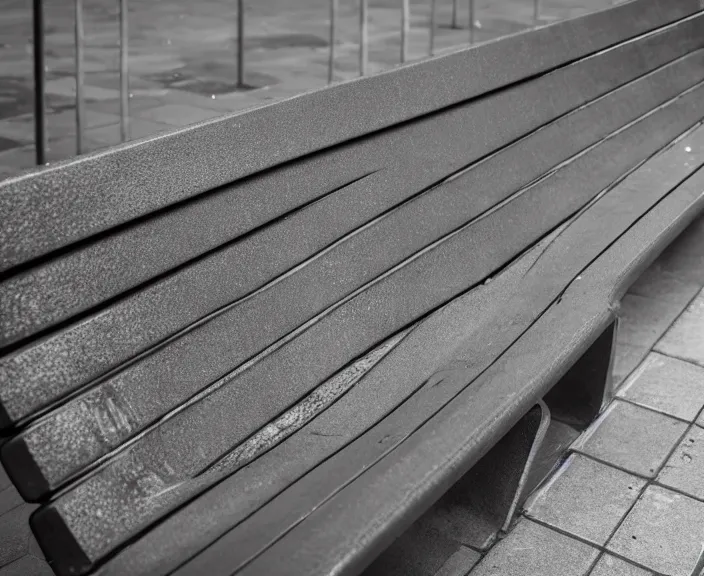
point(183, 59)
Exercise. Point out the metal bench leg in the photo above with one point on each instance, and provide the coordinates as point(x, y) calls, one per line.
point(578, 397)
point(574, 402)
point(483, 502)
point(474, 511)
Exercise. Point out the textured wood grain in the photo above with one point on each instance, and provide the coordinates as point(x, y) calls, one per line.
point(73, 436)
point(324, 187)
point(51, 209)
point(592, 232)
point(360, 518)
point(214, 353)
point(38, 374)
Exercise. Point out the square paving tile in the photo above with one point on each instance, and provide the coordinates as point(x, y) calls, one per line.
point(27, 566)
point(34, 548)
point(664, 532)
point(460, 563)
point(668, 385)
point(534, 550)
point(645, 320)
point(626, 359)
point(631, 437)
point(685, 468)
point(13, 162)
point(9, 498)
point(660, 283)
point(9, 143)
point(110, 135)
point(686, 338)
point(684, 263)
point(609, 565)
point(691, 241)
point(4, 479)
point(585, 498)
point(689, 267)
point(14, 534)
point(178, 114)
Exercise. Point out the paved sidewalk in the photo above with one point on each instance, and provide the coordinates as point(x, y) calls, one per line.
point(628, 499)
point(182, 59)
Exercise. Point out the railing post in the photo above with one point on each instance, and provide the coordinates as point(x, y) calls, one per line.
point(240, 43)
point(39, 119)
point(333, 18)
point(362, 37)
point(80, 112)
point(124, 74)
point(455, 9)
point(471, 21)
point(405, 28)
point(431, 48)
point(536, 11)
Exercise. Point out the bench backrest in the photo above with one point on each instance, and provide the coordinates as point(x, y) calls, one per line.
point(197, 284)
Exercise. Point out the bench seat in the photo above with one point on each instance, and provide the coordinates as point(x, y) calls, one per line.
point(272, 342)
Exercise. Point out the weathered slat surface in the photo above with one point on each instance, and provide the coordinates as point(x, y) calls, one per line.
point(194, 373)
point(52, 209)
point(444, 325)
point(351, 522)
point(75, 435)
point(411, 365)
point(35, 375)
point(396, 166)
point(178, 448)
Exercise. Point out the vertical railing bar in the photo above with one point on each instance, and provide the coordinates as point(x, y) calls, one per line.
point(362, 37)
point(455, 10)
point(431, 48)
point(536, 11)
point(124, 74)
point(333, 19)
point(471, 21)
point(80, 111)
point(240, 43)
point(39, 118)
point(405, 28)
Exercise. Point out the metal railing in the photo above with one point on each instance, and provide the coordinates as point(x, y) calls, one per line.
point(39, 53)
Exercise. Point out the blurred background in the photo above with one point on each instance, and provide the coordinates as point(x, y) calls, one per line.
point(148, 66)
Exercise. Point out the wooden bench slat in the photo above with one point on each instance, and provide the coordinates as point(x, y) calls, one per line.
point(332, 428)
point(324, 522)
point(57, 207)
point(73, 436)
point(206, 430)
point(38, 374)
point(248, 346)
point(92, 273)
point(412, 363)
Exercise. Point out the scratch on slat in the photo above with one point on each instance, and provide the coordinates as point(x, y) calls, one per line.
point(312, 405)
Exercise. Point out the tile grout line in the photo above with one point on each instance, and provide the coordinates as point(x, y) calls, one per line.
point(648, 481)
point(655, 410)
point(657, 340)
point(601, 548)
point(611, 465)
point(672, 356)
point(679, 491)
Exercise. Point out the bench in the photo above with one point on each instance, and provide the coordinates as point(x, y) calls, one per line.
point(314, 337)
